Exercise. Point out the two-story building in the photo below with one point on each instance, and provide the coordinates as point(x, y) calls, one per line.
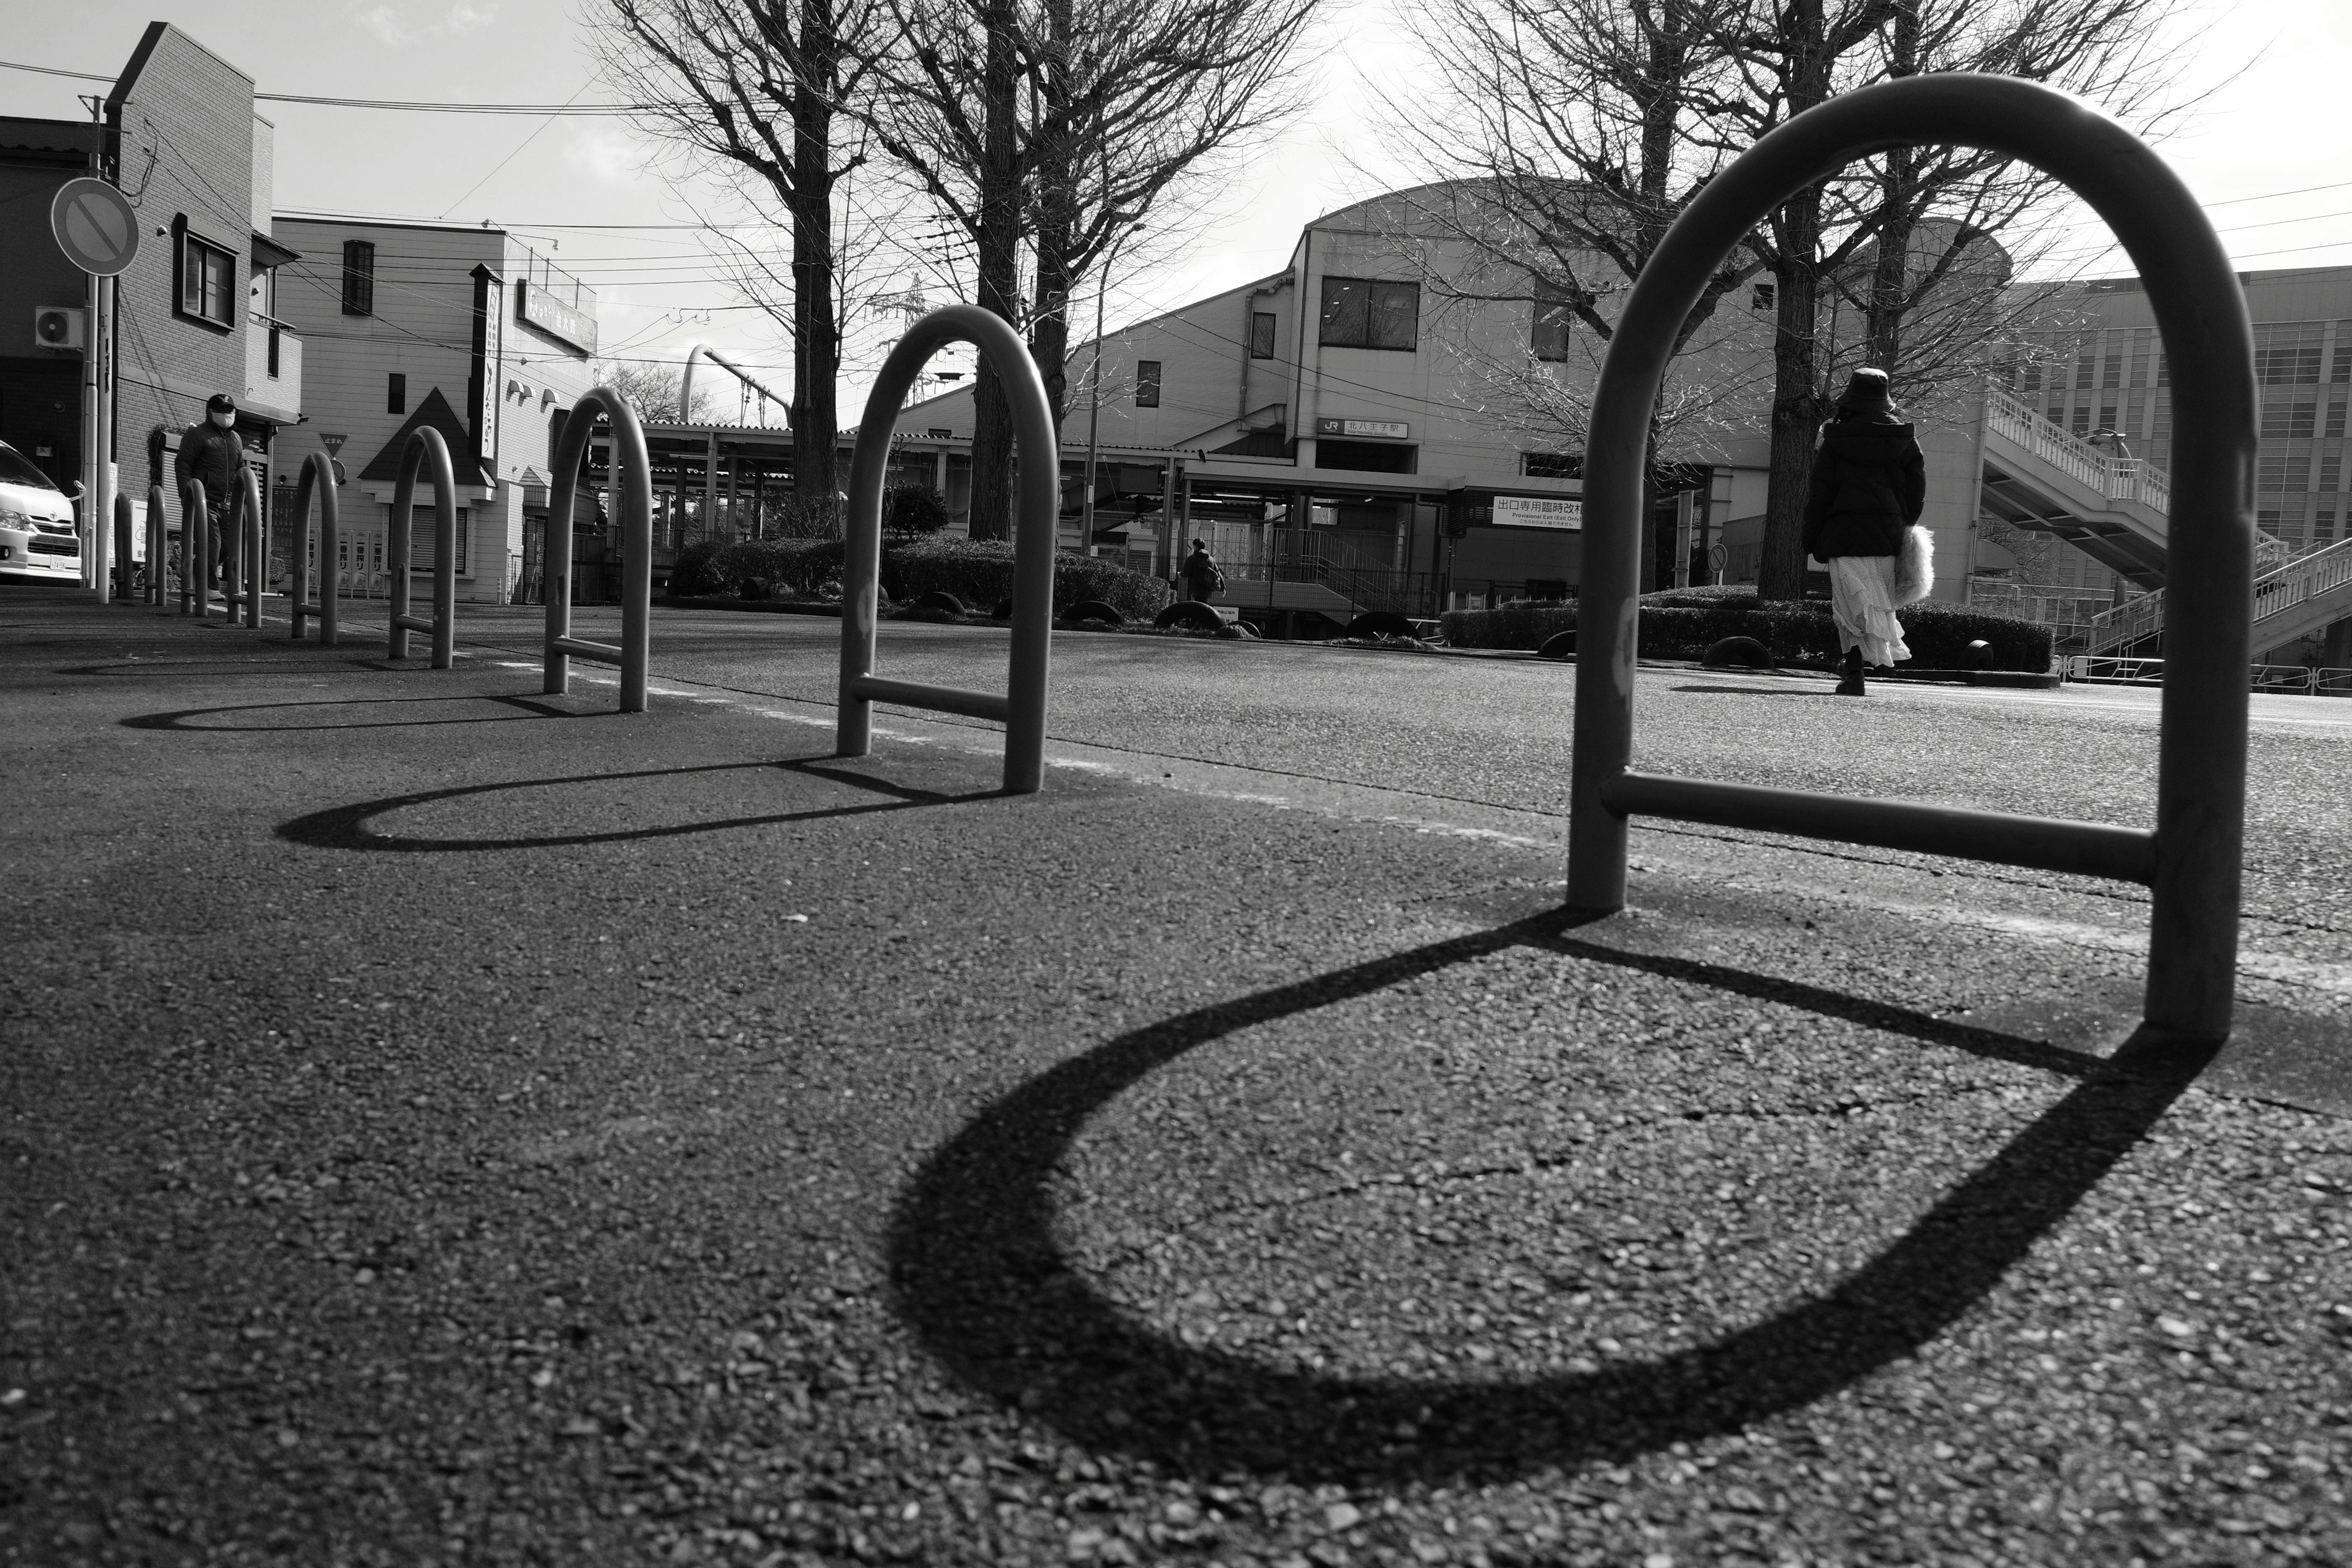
point(457, 328)
point(179, 136)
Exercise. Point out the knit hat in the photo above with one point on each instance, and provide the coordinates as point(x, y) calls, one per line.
point(1867, 392)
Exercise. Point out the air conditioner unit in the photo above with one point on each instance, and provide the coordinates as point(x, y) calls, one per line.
point(60, 326)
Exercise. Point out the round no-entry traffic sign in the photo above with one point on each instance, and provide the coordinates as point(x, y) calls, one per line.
point(95, 226)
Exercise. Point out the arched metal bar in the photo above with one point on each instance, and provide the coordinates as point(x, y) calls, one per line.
point(121, 566)
point(1021, 710)
point(2191, 861)
point(257, 546)
point(633, 486)
point(158, 527)
point(425, 444)
point(195, 551)
point(317, 478)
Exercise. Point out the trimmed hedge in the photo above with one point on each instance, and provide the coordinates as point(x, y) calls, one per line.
point(980, 571)
point(1682, 624)
point(1521, 623)
point(690, 576)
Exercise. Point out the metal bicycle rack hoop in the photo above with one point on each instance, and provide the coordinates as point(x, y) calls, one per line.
point(425, 445)
point(317, 478)
point(159, 525)
point(1021, 710)
point(2191, 860)
point(633, 486)
point(195, 551)
point(254, 553)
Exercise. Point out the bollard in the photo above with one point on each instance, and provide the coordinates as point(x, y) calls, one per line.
point(196, 547)
point(256, 548)
point(1021, 710)
point(2191, 861)
point(319, 480)
point(633, 485)
point(425, 444)
point(121, 548)
point(158, 546)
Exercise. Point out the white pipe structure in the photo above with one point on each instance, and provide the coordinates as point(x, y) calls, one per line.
point(686, 382)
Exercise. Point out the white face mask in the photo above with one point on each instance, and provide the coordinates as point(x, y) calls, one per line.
point(223, 420)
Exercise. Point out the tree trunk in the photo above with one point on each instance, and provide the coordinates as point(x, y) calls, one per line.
point(1796, 404)
point(1890, 289)
point(1796, 361)
point(816, 331)
point(998, 274)
point(1058, 218)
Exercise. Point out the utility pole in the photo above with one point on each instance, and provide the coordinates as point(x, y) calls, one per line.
point(1094, 410)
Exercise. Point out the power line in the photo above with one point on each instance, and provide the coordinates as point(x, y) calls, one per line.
point(406, 105)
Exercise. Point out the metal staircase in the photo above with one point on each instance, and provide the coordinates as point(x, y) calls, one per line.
point(2303, 595)
point(2045, 480)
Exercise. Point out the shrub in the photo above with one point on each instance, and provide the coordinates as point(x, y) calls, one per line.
point(791, 567)
point(1521, 623)
point(691, 576)
point(912, 510)
point(980, 571)
point(1682, 622)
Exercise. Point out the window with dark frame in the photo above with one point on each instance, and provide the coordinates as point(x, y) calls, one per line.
point(1146, 383)
point(207, 281)
point(359, 278)
point(1549, 338)
point(1763, 296)
point(1371, 313)
point(1261, 344)
point(1552, 465)
point(395, 394)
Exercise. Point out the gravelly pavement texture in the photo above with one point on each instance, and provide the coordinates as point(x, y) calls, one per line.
point(444, 1125)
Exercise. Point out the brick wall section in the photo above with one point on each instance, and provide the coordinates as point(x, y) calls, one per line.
point(185, 134)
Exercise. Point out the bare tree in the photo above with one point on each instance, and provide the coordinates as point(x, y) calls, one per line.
point(1791, 55)
point(752, 90)
point(1577, 131)
point(1062, 126)
point(651, 389)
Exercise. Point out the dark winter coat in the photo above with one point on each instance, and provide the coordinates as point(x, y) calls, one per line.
point(1869, 485)
point(211, 454)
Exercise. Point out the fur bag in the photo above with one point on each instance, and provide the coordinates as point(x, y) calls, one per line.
point(1915, 569)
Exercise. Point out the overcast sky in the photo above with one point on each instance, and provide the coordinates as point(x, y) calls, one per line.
point(2271, 149)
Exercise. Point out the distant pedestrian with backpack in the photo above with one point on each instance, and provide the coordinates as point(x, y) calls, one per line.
point(212, 452)
point(1869, 487)
point(1202, 577)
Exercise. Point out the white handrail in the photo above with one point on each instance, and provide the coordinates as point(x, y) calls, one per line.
point(2117, 478)
point(2281, 589)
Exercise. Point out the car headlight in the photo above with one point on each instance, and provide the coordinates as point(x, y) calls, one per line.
point(16, 520)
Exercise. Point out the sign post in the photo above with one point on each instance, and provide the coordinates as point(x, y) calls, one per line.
point(97, 232)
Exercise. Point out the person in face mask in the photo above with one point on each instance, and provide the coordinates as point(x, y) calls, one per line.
point(212, 453)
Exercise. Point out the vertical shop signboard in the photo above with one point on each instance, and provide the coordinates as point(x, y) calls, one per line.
point(487, 384)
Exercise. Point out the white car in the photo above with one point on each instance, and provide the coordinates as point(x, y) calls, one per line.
point(38, 541)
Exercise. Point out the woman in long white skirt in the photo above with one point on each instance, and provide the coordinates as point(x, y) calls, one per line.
point(1869, 485)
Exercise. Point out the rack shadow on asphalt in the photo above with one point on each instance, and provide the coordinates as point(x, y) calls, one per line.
point(345, 826)
point(179, 718)
point(976, 1270)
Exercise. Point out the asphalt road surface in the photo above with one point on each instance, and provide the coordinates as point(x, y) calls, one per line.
point(440, 1123)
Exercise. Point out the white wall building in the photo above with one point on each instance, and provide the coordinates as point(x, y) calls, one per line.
point(463, 328)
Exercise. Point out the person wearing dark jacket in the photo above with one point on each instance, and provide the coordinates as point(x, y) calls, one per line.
point(1869, 485)
point(211, 452)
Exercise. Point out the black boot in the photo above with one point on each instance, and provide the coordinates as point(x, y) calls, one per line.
point(1850, 685)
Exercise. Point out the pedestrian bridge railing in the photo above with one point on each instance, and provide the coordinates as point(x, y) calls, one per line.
point(633, 486)
point(425, 445)
point(2117, 478)
point(1022, 708)
point(2191, 860)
